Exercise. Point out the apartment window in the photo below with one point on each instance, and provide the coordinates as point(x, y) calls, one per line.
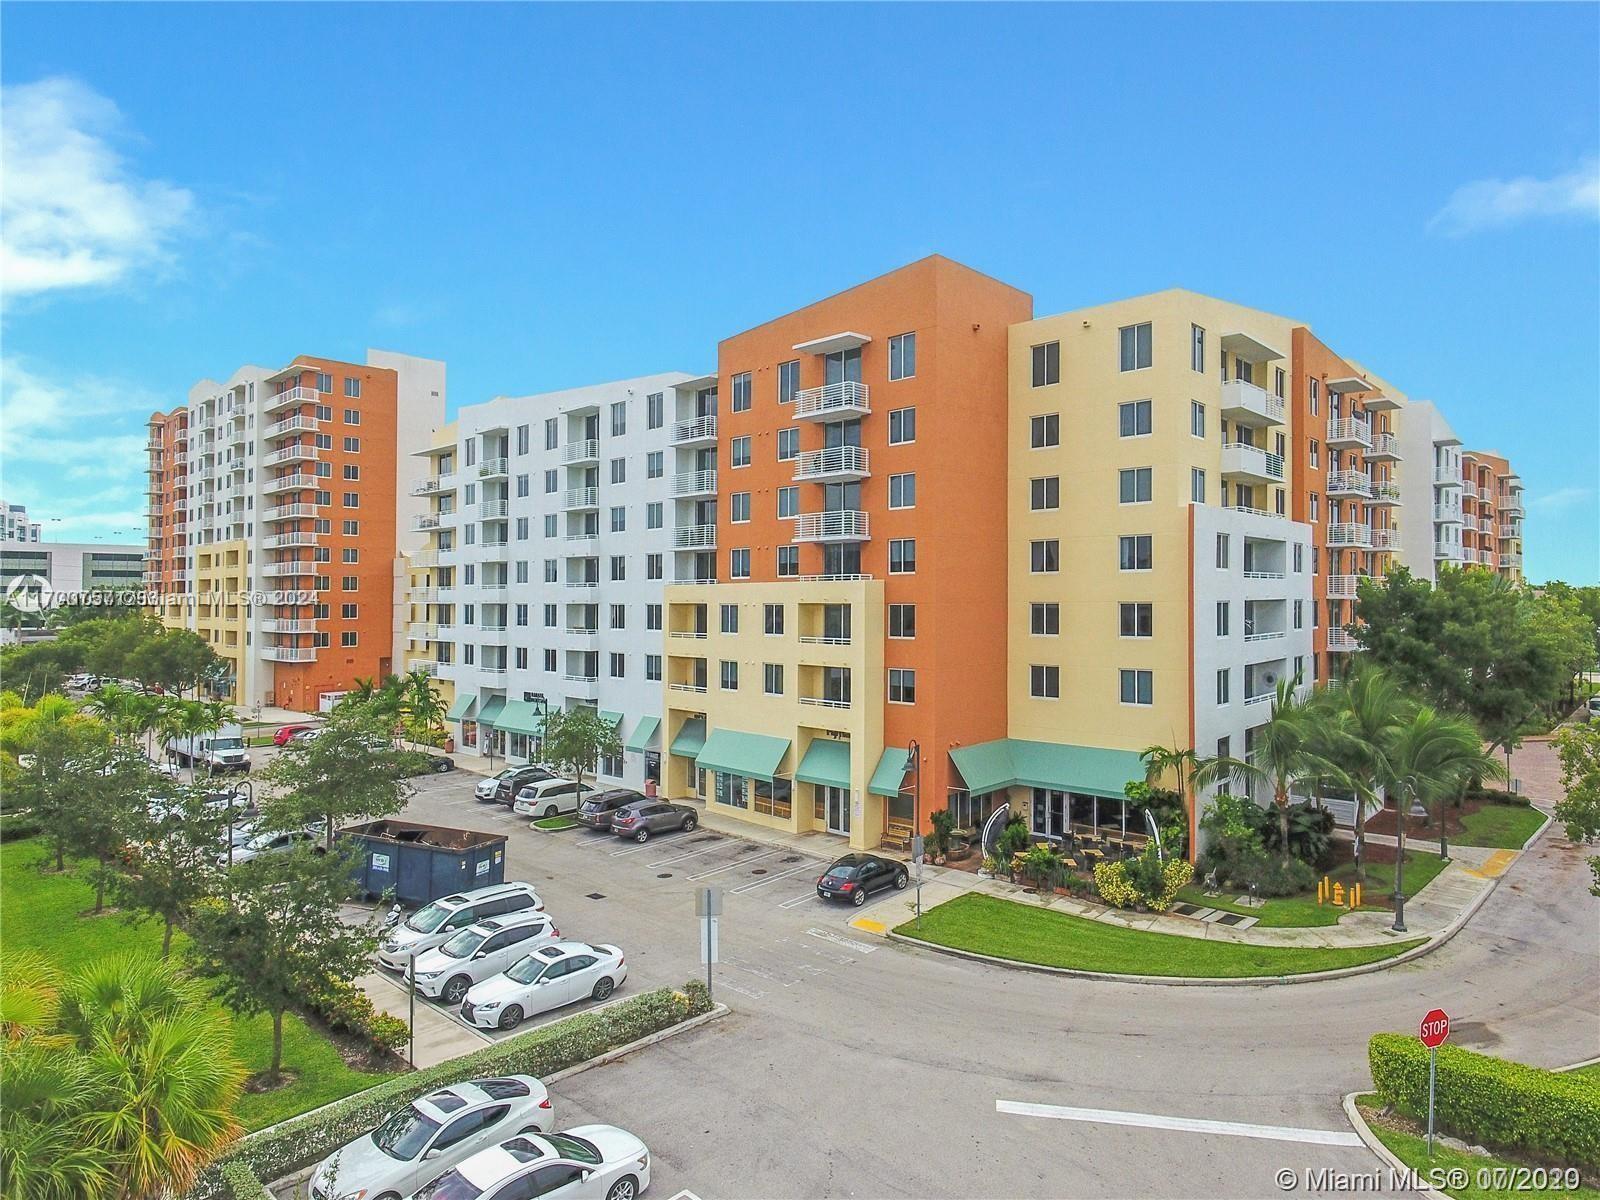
point(352, 416)
point(550, 570)
point(522, 487)
point(1044, 682)
point(1316, 390)
point(1197, 419)
point(788, 444)
point(902, 491)
point(551, 481)
point(1197, 348)
point(730, 618)
point(1133, 418)
point(902, 556)
point(619, 567)
point(351, 528)
point(654, 410)
point(903, 356)
point(903, 621)
point(1137, 687)
point(1299, 613)
point(789, 501)
point(549, 659)
point(348, 638)
point(1044, 556)
point(520, 658)
point(1044, 619)
point(552, 433)
point(653, 566)
point(902, 686)
point(1044, 494)
point(522, 529)
point(741, 392)
point(1136, 620)
point(1223, 618)
point(772, 679)
point(619, 519)
point(350, 554)
point(1133, 551)
point(619, 418)
point(551, 524)
point(522, 614)
point(1134, 347)
point(619, 664)
point(788, 561)
point(788, 380)
point(1315, 504)
point(619, 616)
point(348, 611)
point(739, 507)
point(739, 452)
point(654, 465)
point(352, 445)
point(1197, 485)
point(1134, 485)
point(902, 426)
point(772, 619)
point(324, 382)
point(730, 676)
point(1299, 558)
point(352, 388)
point(1044, 431)
point(654, 515)
point(1315, 452)
point(652, 616)
point(1278, 501)
point(739, 564)
point(1222, 552)
point(1046, 364)
point(1278, 379)
point(652, 668)
point(1224, 678)
point(522, 439)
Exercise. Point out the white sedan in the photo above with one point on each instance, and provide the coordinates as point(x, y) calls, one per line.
point(548, 978)
point(591, 1162)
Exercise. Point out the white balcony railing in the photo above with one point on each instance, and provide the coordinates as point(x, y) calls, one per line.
point(304, 452)
point(1349, 533)
point(295, 424)
point(294, 395)
point(279, 540)
point(832, 401)
point(587, 450)
point(1384, 445)
point(824, 702)
point(490, 510)
point(1246, 404)
point(289, 654)
point(491, 467)
point(1251, 462)
point(1386, 539)
point(694, 537)
point(1342, 641)
point(289, 512)
point(1348, 483)
point(844, 526)
point(835, 462)
point(1385, 493)
point(426, 521)
point(1445, 477)
point(695, 483)
point(289, 483)
point(280, 570)
point(288, 625)
point(1349, 431)
point(1344, 587)
point(587, 497)
point(700, 429)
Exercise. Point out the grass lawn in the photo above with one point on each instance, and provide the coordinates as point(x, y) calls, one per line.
point(40, 912)
point(562, 822)
point(1303, 912)
point(1025, 933)
point(1500, 826)
point(1413, 1151)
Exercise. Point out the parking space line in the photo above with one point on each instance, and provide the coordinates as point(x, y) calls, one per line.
point(799, 900)
point(749, 858)
point(761, 883)
point(716, 844)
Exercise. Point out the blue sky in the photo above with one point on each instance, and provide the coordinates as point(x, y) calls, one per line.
point(549, 196)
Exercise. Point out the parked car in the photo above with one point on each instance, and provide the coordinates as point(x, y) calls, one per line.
point(278, 841)
point(436, 923)
point(548, 978)
point(299, 737)
point(856, 876)
point(1594, 706)
point(480, 951)
point(285, 732)
point(596, 810)
point(588, 1162)
point(435, 764)
point(643, 819)
point(549, 798)
point(432, 1135)
point(505, 786)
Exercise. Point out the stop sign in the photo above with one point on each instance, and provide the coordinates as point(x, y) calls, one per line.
point(1435, 1028)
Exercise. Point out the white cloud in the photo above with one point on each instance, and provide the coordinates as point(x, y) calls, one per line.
point(1561, 499)
point(73, 214)
point(1492, 203)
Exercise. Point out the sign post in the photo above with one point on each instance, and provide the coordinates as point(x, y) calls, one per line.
point(708, 907)
point(916, 857)
point(1433, 1032)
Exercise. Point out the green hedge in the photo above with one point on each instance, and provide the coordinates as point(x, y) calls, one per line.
point(301, 1141)
point(1543, 1115)
point(19, 826)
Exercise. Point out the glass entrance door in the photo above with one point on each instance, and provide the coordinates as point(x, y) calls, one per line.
point(836, 802)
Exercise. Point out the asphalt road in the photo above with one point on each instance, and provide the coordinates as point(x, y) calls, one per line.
point(856, 1067)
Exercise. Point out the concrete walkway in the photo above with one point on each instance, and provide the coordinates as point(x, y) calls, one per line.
point(439, 1037)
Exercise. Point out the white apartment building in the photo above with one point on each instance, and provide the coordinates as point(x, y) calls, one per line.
point(1431, 488)
point(16, 525)
point(555, 522)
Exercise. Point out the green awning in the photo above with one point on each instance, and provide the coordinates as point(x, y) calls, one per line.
point(492, 708)
point(1008, 762)
point(890, 777)
point(691, 738)
point(460, 706)
point(520, 716)
point(612, 719)
point(734, 753)
point(643, 734)
point(826, 762)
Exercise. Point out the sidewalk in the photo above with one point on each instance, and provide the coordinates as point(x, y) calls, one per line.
point(439, 1038)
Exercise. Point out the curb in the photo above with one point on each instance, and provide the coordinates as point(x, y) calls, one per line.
point(1364, 1132)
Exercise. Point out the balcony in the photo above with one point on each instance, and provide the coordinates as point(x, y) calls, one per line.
point(1344, 587)
point(426, 522)
point(586, 451)
point(1246, 404)
point(424, 594)
point(1342, 641)
point(844, 526)
point(492, 468)
point(1349, 483)
point(1485, 525)
point(290, 598)
point(1448, 551)
point(1385, 494)
point(422, 558)
point(583, 631)
point(696, 688)
point(492, 635)
point(281, 540)
point(694, 483)
point(836, 462)
point(1512, 508)
point(294, 395)
point(434, 483)
point(289, 483)
point(582, 545)
point(1349, 433)
point(291, 569)
point(422, 631)
point(289, 654)
point(701, 431)
point(581, 582)
point(299, 423)
point(493, 510)
point(694, 537)
point(1513, 561)
point(427, 666)
point(1447, 514)
point(303, 452)
point(288, 625)
point(1350, 534)
point(832, 402)
point(491, 590)
point(1511, 531)
point(578, 499)
point(495, 550)
point(1386, 539)
point(1385, 446)
point(289, 512)
point(824, 702)
point(1445, 477)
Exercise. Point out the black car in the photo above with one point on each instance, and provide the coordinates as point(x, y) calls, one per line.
point(436, 764)
point(596, 812)
point(503, 788)
point(855, 876)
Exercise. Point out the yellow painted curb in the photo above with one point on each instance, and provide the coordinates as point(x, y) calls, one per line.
point(868, 925)
point(1495, 865)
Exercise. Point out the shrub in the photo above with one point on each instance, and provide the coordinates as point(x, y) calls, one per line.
point(943, 821)
point(301, 1141)
point(19, 826)
point(1111, 881)
point(1042, 864)
point(1503, 1105)
point(1143, 880)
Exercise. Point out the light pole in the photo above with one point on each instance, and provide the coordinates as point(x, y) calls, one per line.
point(914, 767)
point(1401, 813)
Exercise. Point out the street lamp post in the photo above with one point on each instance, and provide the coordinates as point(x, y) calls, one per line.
point(1401, 812)
point(914, 767)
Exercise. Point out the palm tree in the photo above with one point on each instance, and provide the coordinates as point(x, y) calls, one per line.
point(43, 1152)
point(1181, 764)
point(1359, 717)
point(423, 707)
point(125, 710)
point(190, 720)
point(1427, 755)
point(1289, 748)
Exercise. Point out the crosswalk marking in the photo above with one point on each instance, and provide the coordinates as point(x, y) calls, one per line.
point(1107, 1116)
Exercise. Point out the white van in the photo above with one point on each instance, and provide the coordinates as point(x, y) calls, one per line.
point(550, 797)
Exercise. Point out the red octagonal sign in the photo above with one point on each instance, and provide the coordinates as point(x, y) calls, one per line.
point(1435, 1029)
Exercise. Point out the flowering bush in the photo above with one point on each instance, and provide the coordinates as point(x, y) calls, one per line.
point(1144, 880)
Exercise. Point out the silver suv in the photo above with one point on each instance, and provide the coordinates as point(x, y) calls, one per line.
point(434, 924)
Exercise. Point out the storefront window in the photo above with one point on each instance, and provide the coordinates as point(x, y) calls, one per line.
point(731, 790)
point(773, 798)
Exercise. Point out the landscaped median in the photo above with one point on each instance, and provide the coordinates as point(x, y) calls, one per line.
point(1026, 933)
point(273, 1153)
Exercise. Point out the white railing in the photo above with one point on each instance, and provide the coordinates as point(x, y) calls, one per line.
point(824, 641)
point(843, 398)
point(294, 395)
point(291, 425)
point(1259, 698)
point(1447, 550)
point(694, 483)
point(694, 537)
point(289, 512)
point(1445, 477)
point(297, 567)
point(698, 688)
point(1248, 404)
point(1240, 458)
point(1345, 483)
point(582, 497)
point(698, 635)
point(426, 487)
point(289, 654)
point(835, 460)
point(305, 451)
point(701, 429)
point(1253, 574)
point(1510, 531)
point(824, 702)
point(1343, 587)
point(583, 630)
point(1384, 445)
point(1349, 533)
point(1270, 635)
point(1386, 493)
point(280, 540)
point(289, 483)
point(428, 521)
point(845, 525)
point(580, 451)
point(489, 510)
point(493, 466)
point(494, 589)
point(288, 625)
point(1341, 640)
point(427, 666)
point(1349, 429)
point(1256, 512)
point(582, 583)
point(581, 678)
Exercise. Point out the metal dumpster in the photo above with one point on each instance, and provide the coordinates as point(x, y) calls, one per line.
point(419, 863)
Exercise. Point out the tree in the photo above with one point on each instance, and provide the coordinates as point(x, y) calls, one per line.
point(424, 710)
point(172, 860)
point(1579, 748)
point(1358, 718)
point(130, 714)
point(65, 751)
point(100, 824)
point(1180, 763)
point(278, 935)
point(349, 772)
point(1286, 750)
point(576, 739)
